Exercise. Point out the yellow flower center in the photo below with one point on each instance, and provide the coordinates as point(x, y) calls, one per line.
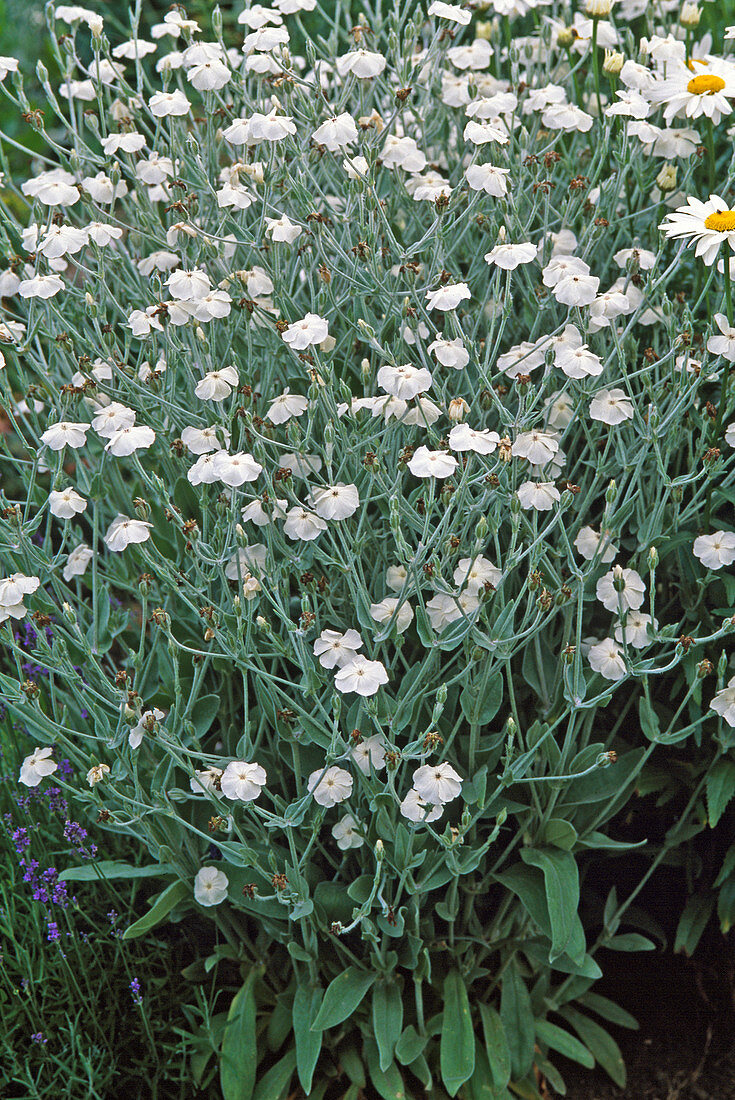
point(722, 221)
point(705, 84)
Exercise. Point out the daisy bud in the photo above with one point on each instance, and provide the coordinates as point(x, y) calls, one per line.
point(598, 9)
point(690, 15)
point(566, 38)
point(613, 63)
point(458, 409)
point(666, 179)
point(484, 29)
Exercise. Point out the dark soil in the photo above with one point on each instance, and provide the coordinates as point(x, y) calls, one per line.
point(685, 1048)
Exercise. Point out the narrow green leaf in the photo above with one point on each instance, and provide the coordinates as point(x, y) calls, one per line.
point(308, 1043)
point(276, 1080)
point(389, 1082)
point(692, 923)
point(600, 1043)
point(630, 941)
point(561, 878)
point(518, 1023)
point(113, 868)
point(720, 789)
point(387, 1019)
point(609, 1010)
point(457, 1045)
point(160, 909)
point(410, 1046)
point(496, 1045)
point(563, 1043)
point(342, 997)
point(239, 1055)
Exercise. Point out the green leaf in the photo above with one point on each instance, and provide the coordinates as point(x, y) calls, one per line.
point(564, 1043)
point(113, 868)
point(630, 941)
point(308, 1043)
point(480, 1084)
point(648, 719)
point(560, 833)
point(518, 1023)
point(496, 1045)
point(480, 707)
point(457, 1045)
point(275, 1082)
point(204, 712)
point(389, 1082)
point(720, 788)
point(692, 923)
point(160, 909)
point(342, 997)
point(561, 878)
point(609, 1010)
point(410, 1046)
point(387, 1019)
point(239, 1055)
point(600, 1043)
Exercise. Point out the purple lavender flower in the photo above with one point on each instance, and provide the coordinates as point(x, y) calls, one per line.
point(53, 934)
point(38, 1038)
point(135, 990)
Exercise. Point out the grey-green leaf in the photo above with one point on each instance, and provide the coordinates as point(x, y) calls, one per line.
point(239, 1055)
point(160, 909)
point(342, 997)
point(457, 1044)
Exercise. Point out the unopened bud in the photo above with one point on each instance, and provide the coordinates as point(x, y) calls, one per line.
point(613, 63)
point(690, 15)
point(667, 177)
point(652, 558)
point(458, 409)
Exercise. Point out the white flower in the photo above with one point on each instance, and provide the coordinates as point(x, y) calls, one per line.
point(451, 12)
point(391, 609)
point(576, 289)
point(123, 531)
point(724, 703)
point(311, 329)
point(464, 438)
point(282, 230)
point(210, 886)
point(445, 608)
point(361, 63)
point(541, 495)
point(715, 550)
point(538, 447)
point(55, 188)
point(60, 240)
point(415, 808)
point(404, 382)
point(450, 353)
point(370, 753)
point(361, 676)
point(588, 542)
point(125, 441)
point(13, 590)
point(77, 562)
point(335, 501)
point(206, 780)
point(246, 559)
point(331, 786)
point(621, 588)
point(709, 224)
point(286, 406)
point(336, 133)
point(302, 524)
point(636, 629)
point(724, 344)
point(345, 833)
point(41, 286)
point(217, 385)
point(334, 649)
point(97, 773)
point(488, 178)
point(611, 406)
point(447, 297)
point(66, 503)
point(300, 465)
point(235, 469)
point(437, 783)
point(476, 573)
point(37, 766)
point(242, 780)
point(510, 256)
point(576, 359)
point(606, 657)
point(200, 441)
point(426, 463)
point(145, 724)
point(164, 104)
point(65, 434)
point(187, 286)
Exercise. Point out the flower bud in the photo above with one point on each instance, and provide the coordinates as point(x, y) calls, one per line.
point(667, 177)
point(611, 493)
point(598, 9)
point(613, 63)
point(652, 558)
point(566, 38)
point(458, 409)
point(690, 15)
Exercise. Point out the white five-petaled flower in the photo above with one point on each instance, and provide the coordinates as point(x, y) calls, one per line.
point(331, 786)
point(447, 297)
point(37, 766)
point(311, 329)
point(361, 676)
point(437, 783)
point(715, 550)
point(335, 502)
point(370, 753)
point(724, 703)
point(145, 724)
point(242, 780)
point(66, 503)
point(416, 809)
point(621, 589)
point(346, 834)
point(606, 657)
point(124, 531)
point(426, 463)
point(335, 649)
point(210, 886)
point(65, 434)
